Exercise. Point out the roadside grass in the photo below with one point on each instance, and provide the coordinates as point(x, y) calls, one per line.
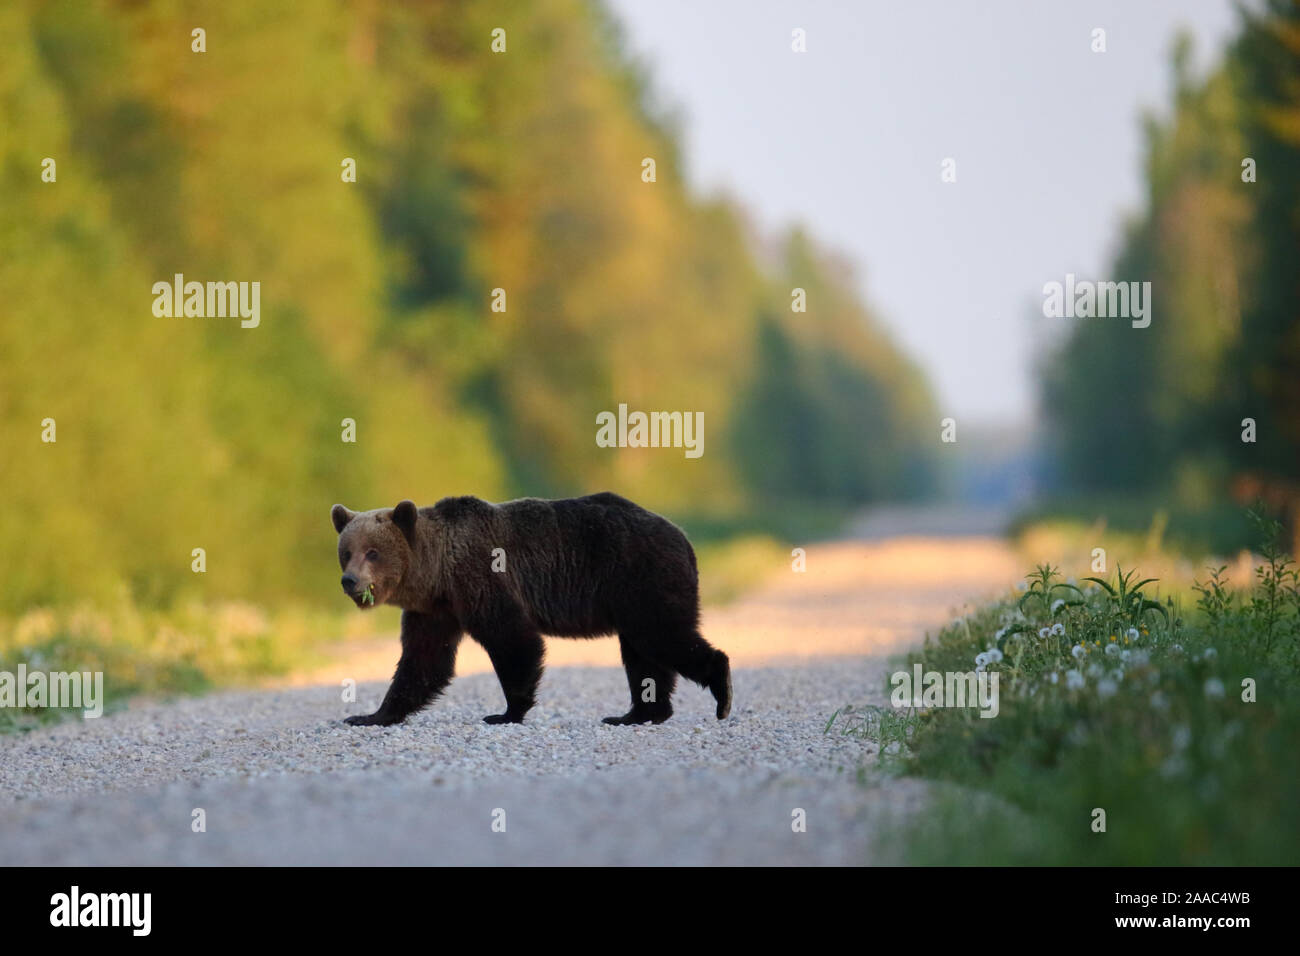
point(161, 653)
point(1181, 721)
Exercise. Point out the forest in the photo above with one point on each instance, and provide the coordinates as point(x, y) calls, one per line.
point(460, 263)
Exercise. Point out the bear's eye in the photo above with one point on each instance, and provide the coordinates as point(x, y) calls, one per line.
point(347, 556)
point(372, 555)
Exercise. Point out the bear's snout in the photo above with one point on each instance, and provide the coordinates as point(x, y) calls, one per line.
point(350, 584)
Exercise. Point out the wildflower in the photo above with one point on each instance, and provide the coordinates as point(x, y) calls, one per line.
point(1177, 648)
point(1159, 701)
point(1131, 633)
point(1052, 677)
point(1077, 651)
point(1058, 628)
point(981, 659)
point(1214, 687)
point(1112, 650)
point(1073, 679)
point(1211, 653)
point(997, 636)
point(1106, 688)
point(994, 654)
point(1058, 604)
point(1043, 632)
point(1095, 670)
point(1112, 638)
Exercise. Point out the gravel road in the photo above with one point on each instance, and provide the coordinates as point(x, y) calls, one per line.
point(281, 781)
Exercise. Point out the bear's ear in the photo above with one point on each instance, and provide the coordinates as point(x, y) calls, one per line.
point(341, 516)
point(404, 516)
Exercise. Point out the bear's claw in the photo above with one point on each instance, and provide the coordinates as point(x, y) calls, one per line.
point(369, 720)
point(635, 716)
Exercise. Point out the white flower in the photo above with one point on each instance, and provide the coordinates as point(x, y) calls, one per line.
point(997, 636)
point(1112, 650)
point(1159, 701)
point(1077, 651)
point(1052, 677)
point(981, 659)
point(1177, 648)
point(1058, 628)
point(1106, 687)
point(1214, 687)
point(1126, 656)
point(1043, 632)
point(1132, 634)
point(1095, 669)
point(1058, 604)
point(1073, 679)
point(1211, 653)
point(1138, 658)
point(994, 654)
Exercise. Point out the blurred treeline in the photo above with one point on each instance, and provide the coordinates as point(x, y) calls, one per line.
point(476, 171)
point(1159, 412)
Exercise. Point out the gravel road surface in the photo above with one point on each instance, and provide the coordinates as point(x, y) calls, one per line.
point(280, 780)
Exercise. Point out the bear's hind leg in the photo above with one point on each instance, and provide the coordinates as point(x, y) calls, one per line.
point(686, 652)
point(516, 651)
point(428, 662)
point(651, 702)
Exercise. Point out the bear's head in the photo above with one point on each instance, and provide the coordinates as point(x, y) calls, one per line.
point(376, 549)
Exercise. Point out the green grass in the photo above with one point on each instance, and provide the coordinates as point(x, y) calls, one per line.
point(1112, 698)
point(161, 653)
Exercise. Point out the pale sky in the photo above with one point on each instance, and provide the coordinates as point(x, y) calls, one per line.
point(848, 139)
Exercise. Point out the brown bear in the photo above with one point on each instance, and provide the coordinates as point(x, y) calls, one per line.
point(509, 573)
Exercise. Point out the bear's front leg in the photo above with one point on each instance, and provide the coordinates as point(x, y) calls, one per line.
point(427, 665)
point(516, 649)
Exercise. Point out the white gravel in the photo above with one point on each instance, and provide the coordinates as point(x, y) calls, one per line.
point(282, 781)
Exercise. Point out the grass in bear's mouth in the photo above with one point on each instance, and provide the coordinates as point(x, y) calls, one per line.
point(368, 596)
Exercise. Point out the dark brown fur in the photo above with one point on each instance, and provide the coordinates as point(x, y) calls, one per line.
point(574, 567)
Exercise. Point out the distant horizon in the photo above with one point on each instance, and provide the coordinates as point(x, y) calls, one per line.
point(953, 271)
